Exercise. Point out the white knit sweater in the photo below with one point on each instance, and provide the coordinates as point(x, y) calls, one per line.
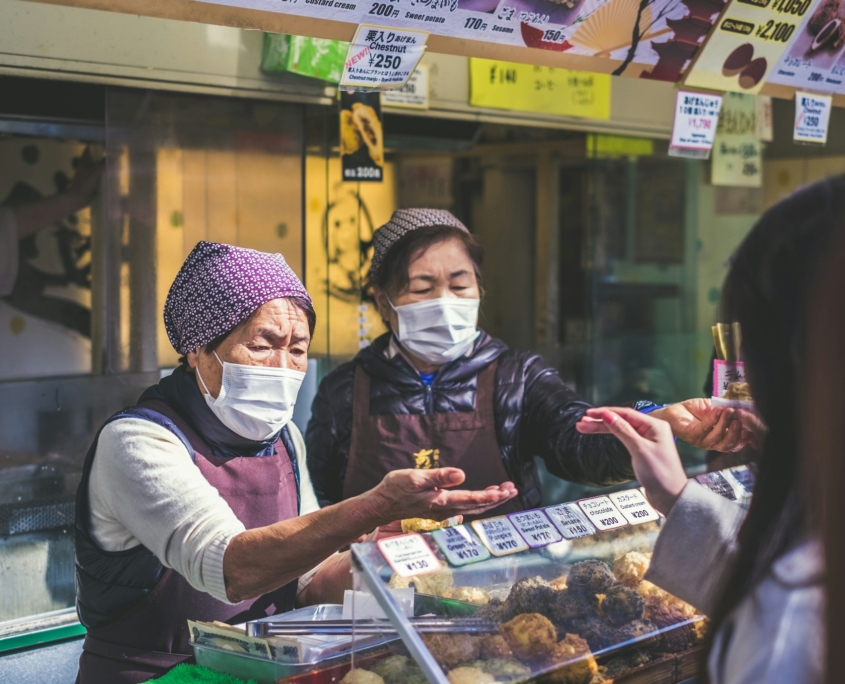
point(145, 489)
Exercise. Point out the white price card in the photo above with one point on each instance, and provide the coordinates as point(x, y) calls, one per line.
point(571, 521)
point(718, 483)
point(460, 545)
point(812, 114)
point(412, 95)
point(602, 513)
point(535, 528)
point(500, 536)
point(633, 505)
point(409, 555)
point(382, 57)
point(694, 127)
point(743, 477)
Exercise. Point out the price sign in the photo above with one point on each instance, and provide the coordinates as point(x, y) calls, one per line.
point(603, 514)
point(743, 477)
point(409, 555)
point(460, 545)
point(812, 114)
point(634, 507)
point(382, 57)
point(696, 120)
point(571, 521)
point(500, 536)
point(412, 95)
point(535, 528)
point(718, 483)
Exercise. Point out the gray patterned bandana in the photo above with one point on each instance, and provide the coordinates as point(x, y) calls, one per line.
point(219, 286)
point(403, 222)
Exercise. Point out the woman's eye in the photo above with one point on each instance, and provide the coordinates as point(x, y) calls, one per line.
point(421, 292)
point(259, 349)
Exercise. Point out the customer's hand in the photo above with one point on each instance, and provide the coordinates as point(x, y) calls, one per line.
point(649, 440)
point(426, 494)
point(697, 422)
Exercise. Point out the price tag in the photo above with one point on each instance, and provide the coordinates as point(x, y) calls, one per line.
point(602, 513)
point(460, 545)
point(535, 528)
point(812, 113)
point(634, 507)
point(718, 483)
point(412, 95)
point(694, 127)
point(382, 57)
point(571, 521)
point(500, 536)
point(409, 555)
point(743, 477)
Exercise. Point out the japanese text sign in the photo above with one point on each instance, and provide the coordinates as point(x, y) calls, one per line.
point(381, 57)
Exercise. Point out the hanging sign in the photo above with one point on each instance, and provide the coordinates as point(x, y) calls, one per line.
point(527, 88)
point(412, 95)
point(571, 521)
point(815, 57)
point(381, 57)
point(764, 118)
point(694, 127)
point(812, 114)
point(737, 153)
point(746, 44)
point(409, 555)
point(361, 137)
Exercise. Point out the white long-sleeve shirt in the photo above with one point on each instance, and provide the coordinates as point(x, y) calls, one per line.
point(145, 489)
point(8, 251)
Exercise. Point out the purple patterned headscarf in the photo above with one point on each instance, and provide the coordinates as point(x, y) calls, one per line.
point(219, 286)
point(403, 222)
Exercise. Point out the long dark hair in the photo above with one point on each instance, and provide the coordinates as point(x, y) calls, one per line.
point(767, 292)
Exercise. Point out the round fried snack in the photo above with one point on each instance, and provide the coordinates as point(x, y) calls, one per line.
point(495, 611)
point(494, 646)
point(590, 577)
point(531, 595)
point(503, 669)
point(392, 669)
point(361, 677)
point(368, 125)
point(622, 604)
point(452, 650)
point(654, 594)
point(677, 630)
point(530, 636)
point(581, 667)
point(470, 675)
point(631, 568)
point(474, 595)
point(350, 138)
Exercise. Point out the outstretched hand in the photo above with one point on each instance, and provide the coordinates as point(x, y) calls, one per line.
point(654, 456)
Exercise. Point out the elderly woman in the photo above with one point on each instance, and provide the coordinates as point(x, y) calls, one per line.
point(196, 503)
point(438, 391)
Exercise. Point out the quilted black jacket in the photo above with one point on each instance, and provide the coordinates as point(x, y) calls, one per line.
point(536, 414)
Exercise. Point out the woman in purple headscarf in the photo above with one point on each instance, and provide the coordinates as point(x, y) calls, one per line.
point(196, 503)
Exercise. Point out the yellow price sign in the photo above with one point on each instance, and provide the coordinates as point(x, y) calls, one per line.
point(527, 88)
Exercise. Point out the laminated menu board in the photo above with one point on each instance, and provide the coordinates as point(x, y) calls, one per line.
point(652, 39)
point(361, 136)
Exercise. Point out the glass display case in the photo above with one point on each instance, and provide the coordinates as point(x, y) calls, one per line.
point(554, 595)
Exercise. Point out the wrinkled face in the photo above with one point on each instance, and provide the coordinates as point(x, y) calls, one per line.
point(443, 270)
point(276, 335)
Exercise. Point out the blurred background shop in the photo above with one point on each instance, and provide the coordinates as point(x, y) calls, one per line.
point(604, 254)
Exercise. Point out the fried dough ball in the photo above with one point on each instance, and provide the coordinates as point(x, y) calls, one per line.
point(558, 583)
point(451, 650)
point(350, 138)
point(630, 568)
point(590, 577)
point(572, 648)
point(654, 594)
point(495, 611)
point(474, 595)
point(435, 584)
point(700, 628)
point(494, 646)
point(531, 636)
point(361, 677)
point(392, 669)
point(367, 122)
point(678, 632)
point(531, 595)
point(637, 629)
point(470, 675)
point(824, 14)
point(627, 662)
point(503, 669)
point(569, 607)
point(413, 675)
point(622, 604)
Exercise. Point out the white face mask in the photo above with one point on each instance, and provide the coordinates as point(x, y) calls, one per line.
point(254, 401)
point(438, 330)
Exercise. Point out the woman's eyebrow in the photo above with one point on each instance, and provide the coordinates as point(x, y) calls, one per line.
point(458, 274)
point(427, 278)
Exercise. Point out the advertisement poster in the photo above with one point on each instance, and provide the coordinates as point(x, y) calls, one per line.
point(737, 153)
point(361, 137)
point(747, 44)
point(652, 39)
point(527, 88)
point(816, 57)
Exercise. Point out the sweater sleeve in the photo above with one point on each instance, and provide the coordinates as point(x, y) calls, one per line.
point(550, 413)
point(145, 489)
point(696, 543)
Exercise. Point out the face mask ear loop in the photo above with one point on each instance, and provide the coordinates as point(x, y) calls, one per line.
point(199, 375)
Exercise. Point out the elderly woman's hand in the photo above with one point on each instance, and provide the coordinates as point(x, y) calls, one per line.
point(427, 494)
point(649, 440)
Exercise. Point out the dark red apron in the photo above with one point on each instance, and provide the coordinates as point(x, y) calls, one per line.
point(460, 439)
point(152, 637)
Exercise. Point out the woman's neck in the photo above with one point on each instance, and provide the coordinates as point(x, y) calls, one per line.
point(417, 363)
